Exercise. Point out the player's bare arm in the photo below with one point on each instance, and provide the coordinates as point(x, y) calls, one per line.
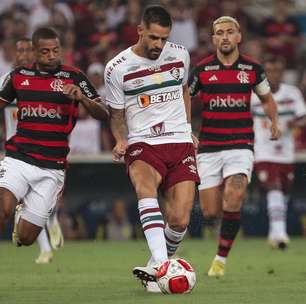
point(95, 107)
point(187, 101)
point(270, 109)
point(119, 130)
point(3, 104)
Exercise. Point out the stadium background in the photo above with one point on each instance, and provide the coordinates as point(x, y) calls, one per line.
point(98, 201)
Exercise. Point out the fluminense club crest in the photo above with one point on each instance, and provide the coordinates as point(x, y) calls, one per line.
point(175, 73)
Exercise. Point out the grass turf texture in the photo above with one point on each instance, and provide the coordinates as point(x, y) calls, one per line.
point(100, 272)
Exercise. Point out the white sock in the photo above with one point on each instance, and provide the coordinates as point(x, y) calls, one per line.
point(277, 211)
point(220, 258)
point(173, 239)
point(52, 219)
point(153, 227)
point(43, 241)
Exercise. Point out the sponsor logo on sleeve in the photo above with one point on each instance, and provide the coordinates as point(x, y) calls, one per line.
point(84, 85)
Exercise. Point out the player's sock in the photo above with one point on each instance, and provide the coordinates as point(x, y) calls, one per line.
point(43, 241)
point(277, 209)
point(229, 229)
point(153, 227)
point(173, 239)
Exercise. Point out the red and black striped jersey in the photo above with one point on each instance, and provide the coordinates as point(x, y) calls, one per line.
point(225, 93)
point(46, 116)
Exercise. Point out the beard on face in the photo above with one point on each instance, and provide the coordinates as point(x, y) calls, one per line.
point(226, 51)
point(154, 53)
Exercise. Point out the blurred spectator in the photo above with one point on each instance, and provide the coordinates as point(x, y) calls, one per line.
point(282, 33)
point(183, 28)
point(118, 227)
point(85, 137)
point(49, 11)
point(95, 73)
point(7, 52)
point(115, 13)
point(127, 30)
point(253, 48)
point(71, 56)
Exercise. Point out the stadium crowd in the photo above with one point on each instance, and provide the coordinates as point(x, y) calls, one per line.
point(92, 32)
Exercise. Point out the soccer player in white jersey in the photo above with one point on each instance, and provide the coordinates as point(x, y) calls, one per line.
point(147, 92)
point(23, 57)
point(274, 160)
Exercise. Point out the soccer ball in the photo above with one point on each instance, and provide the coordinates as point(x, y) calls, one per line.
point(176, 276)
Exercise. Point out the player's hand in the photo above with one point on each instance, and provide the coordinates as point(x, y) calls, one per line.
point(72, 91)
point(275, 132)
point(119, 150)
point(195, 141)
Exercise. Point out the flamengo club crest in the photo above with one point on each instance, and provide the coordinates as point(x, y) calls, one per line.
point(243, 77)
point(57, 85)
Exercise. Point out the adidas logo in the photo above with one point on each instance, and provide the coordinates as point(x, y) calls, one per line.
point(25, 83)
point(213, 78)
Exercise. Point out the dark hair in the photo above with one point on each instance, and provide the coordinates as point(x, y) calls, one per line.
point(25, 39)
point(156, 14)
point(43, 33)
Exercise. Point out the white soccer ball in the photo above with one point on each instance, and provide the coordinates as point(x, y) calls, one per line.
point(176, 276)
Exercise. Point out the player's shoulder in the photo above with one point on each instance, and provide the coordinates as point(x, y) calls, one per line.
point(26, 70)
point(118, 61)
point(249, 62)
point(118, 64)
point(69, 68)
point(207, 64)
point(177, 48)
point(289, 88)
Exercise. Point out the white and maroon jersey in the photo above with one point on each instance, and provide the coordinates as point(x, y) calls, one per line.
point(291, 105)
point(151, 93)
point(10, 115)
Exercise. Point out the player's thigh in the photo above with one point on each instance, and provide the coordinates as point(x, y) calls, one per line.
point(179, 203)
point(13, 184)
point(145, 179)
point(238, 161)
point(210, 170)
point(235, 189)
point(211, 201)
point(40, 201)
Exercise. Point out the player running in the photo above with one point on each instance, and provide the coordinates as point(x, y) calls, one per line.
point(225, 157)
point(274, 160)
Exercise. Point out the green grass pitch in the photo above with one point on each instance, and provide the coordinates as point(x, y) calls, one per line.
point(100, 272)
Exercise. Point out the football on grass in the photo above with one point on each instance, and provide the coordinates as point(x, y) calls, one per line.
point(176, 276)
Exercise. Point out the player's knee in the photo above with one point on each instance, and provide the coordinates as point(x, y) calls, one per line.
point(145, 190)
point(26, 238)
point(177, 222)
point(209, 212)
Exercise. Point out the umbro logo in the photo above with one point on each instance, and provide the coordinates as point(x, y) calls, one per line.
point(25, 83)
point(213, 78)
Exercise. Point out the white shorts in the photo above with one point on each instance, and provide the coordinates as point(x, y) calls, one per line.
point(214, 167)
point(38, 188)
